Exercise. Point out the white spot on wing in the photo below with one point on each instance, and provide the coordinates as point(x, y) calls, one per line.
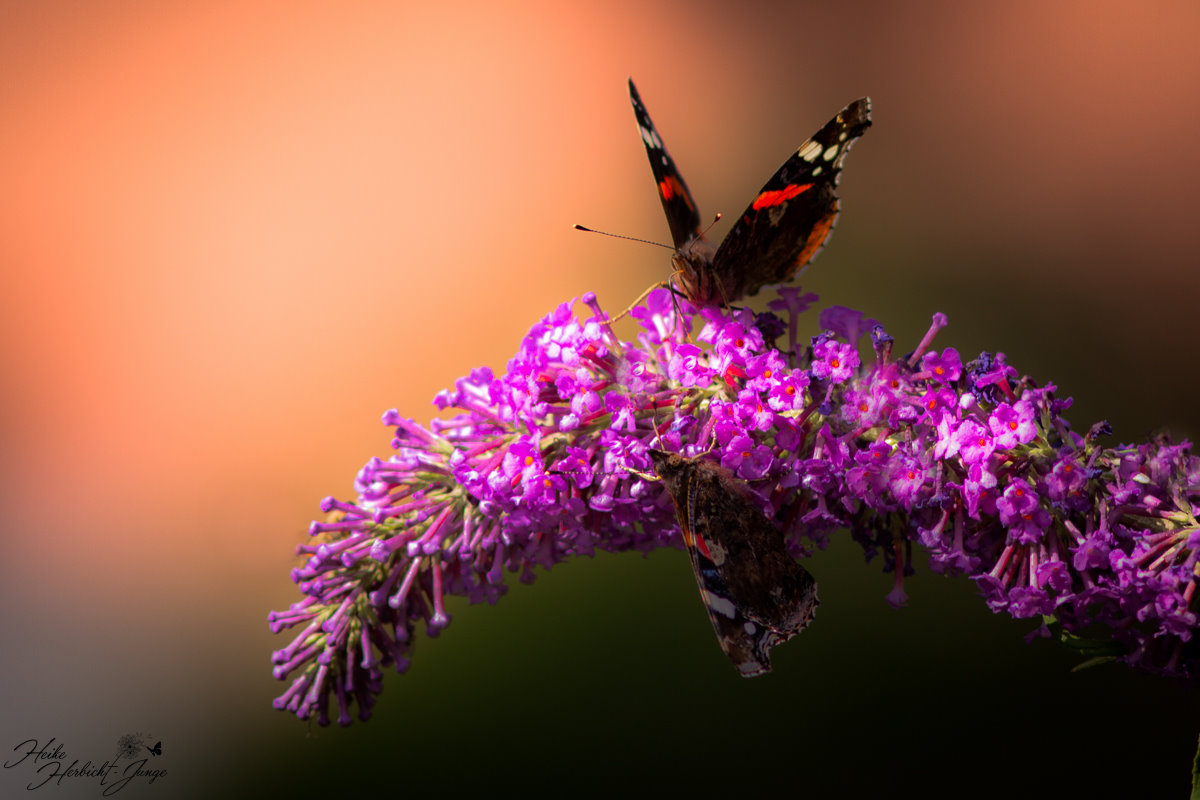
point(650, 138)
point(809, 150)
point(830, 152)
point(722, 605)
point(749, 627)
point(817, 171)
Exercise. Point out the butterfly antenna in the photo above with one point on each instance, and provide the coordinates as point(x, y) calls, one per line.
point(662, 285)
point(579, 227)
point(654, 424)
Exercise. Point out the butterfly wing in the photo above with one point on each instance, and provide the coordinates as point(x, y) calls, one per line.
point(793, 214)
point(682, 214)
point(755, 593)
point(745, 642)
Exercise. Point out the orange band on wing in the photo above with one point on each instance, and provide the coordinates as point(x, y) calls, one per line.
point(692, 541)
point(777, 196)
point(816, 238)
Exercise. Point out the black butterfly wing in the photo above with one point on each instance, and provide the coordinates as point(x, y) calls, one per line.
point(755, 593)
point(680, 207)
point(793, 214)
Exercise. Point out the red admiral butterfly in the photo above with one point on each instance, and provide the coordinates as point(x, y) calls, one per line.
point(782, 230)
point(756, 595)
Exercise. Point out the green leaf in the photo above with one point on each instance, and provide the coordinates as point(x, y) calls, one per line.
point(1100, 650)
point(1093, 662)
point(1196, 772)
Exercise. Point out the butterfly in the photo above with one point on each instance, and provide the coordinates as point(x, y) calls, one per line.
point(156, 750)
point(756, 594)
point(780, 232)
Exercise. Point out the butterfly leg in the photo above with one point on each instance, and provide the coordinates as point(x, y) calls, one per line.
point(643, 296)
point(721, 291)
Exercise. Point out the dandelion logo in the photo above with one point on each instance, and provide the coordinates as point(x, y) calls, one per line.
point(130, 746)
point(136, 745)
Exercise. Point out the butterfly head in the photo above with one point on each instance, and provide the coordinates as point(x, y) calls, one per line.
point(674, 469)
point(694, 274)
point(665, 463)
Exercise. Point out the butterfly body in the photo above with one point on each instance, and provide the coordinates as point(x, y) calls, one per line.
point(756, 594)
point(780, 232)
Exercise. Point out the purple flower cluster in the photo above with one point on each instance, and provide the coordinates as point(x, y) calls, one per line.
point(550, 461)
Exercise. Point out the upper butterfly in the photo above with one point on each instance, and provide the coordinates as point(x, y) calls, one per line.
point(781, 231)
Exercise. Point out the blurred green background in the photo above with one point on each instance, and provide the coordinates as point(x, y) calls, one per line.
point(233, 234)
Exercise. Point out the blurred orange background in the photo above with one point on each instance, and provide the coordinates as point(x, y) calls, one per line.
point(233, 234)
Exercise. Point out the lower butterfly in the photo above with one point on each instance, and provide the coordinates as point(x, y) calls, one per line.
point(755, 592)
